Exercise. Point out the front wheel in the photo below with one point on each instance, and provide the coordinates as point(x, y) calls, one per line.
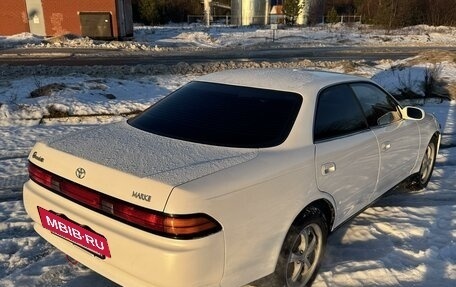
point(303, 250)
point(421, 179)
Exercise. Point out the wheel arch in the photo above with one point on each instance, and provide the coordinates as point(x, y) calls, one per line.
point(425, 140)
point(415, 180)
point(437, 138)
point(325, 206)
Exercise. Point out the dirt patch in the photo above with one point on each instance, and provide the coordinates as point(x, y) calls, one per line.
point(451, 88)
point(434, 57)
point(110, 96)
point(61, 38)
point(57, 112)
point(47, 90)
point(5, 84)
point(350, 66)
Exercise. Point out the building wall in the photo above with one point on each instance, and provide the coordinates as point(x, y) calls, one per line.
point(125, 18)
point(13, 17)
point(61, 17)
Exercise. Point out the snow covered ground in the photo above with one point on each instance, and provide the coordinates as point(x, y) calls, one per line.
point(196, 36)
point(405, 239)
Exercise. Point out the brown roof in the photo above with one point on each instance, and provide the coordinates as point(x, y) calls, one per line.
point(277, 10)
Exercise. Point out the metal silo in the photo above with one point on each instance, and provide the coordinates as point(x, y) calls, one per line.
point(248, 12)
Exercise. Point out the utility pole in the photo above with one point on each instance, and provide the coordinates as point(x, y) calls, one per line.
point(207, 12)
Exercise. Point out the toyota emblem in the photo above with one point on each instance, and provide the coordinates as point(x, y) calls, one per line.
point(80, 173)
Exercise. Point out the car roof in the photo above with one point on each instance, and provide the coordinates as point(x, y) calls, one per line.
point(304, 82)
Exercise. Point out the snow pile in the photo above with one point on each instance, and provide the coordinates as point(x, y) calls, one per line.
point(19, 40)
point(76, 96)
point(415, 80)
point(99, 93)
point(148, 38)
point(85, 42)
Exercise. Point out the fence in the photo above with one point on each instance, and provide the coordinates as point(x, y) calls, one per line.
point(272, 19)
point(342, 19)
point(228, 19)
point(215, 19)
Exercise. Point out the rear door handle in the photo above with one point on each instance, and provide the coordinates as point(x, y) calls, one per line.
point(328, 168)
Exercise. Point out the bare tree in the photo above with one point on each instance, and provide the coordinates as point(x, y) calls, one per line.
point(399, 13)
point(162, 11)
point(440, 12)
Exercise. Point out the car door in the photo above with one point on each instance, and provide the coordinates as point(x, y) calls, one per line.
point(346, 151)
point(398, 139)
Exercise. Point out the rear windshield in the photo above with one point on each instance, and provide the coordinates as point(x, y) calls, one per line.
point(222, 115)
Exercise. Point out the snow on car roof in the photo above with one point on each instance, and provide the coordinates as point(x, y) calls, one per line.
point(304, 82)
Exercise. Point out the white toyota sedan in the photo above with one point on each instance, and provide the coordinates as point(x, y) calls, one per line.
point(235, 176)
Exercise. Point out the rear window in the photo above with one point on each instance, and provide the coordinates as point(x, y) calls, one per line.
point(222, 115)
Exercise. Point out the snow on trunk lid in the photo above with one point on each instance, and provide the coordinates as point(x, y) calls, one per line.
point(159, 160)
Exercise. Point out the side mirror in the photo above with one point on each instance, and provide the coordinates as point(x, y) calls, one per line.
point(412, 113)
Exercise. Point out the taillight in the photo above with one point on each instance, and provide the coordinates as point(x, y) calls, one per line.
point(60, 185)
point(40, 175)
point(188, 226)
point(80, 193)
point(174, 226)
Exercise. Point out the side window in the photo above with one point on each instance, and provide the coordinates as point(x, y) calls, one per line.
point(379, 107)
point(338, 113)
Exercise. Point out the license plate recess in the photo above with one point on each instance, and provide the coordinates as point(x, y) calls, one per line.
point(70, 230)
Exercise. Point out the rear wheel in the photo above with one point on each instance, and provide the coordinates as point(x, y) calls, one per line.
point(302, 250)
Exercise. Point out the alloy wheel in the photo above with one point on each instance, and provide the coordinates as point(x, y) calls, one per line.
point(304, 256)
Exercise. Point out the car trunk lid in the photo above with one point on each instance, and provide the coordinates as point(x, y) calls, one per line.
point(134, 165)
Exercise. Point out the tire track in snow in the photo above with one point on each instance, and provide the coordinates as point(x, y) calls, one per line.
point(16, 234)
point(448, 141)
point(19, 156)
point(13, 182)
point(11, 187)
point(11, 194)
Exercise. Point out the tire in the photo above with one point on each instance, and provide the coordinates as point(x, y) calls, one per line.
point(302, 250)
point(421, 179)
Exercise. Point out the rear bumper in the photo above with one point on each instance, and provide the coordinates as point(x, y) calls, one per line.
point(138, 258)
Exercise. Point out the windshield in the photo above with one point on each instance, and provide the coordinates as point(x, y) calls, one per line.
point(222, 115)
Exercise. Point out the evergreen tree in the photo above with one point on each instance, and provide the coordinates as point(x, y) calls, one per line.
point(155, 12)
point(332, 16)
point(291, 9)
point(148, 11)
